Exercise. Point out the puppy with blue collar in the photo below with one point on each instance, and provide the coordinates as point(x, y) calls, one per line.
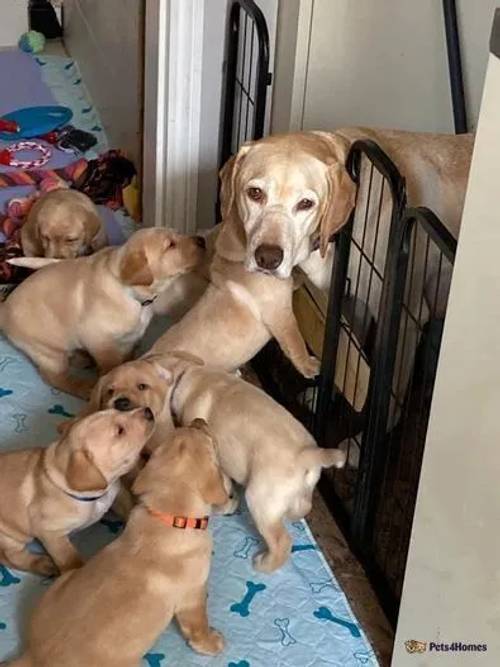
point(49, 492)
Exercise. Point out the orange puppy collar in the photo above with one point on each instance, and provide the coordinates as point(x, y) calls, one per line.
point(173, 521)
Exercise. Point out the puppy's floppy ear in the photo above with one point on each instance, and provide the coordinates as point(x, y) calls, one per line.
point(341, 189)
point(82, 474)
point(212, 489)
point(200, 424)
point(92, 227)
point(228, 175)
point(63, 427)
point(134, 266)
point(94, 405)
point(187, 356)
point(95, 400)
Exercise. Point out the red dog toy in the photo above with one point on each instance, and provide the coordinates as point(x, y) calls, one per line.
point(9, 126)
point(7, 155)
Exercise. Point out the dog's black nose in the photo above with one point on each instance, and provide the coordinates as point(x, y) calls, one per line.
point(268, 256)
point(123, 404)
point(149, 415)
point(200, 242)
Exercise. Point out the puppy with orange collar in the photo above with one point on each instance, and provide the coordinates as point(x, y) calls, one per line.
point(156, 570)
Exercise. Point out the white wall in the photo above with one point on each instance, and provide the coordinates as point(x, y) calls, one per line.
point(106, 38)
point(215, 19)
point(13, 21)
point(379, 63)
point(213, 57)
point(452, 583)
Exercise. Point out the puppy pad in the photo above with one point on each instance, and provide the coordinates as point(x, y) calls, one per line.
point(296, 617)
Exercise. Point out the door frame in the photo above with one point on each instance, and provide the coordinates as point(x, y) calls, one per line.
point(172, 85)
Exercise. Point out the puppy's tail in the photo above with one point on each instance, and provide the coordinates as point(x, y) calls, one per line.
point(313, 456)
point(32, 262)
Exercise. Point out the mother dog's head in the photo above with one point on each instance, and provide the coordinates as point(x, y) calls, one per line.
point(279, 194)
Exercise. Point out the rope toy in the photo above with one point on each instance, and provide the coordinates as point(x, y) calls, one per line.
point(6, 156)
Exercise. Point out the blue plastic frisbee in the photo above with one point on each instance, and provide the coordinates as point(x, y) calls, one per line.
point(36, 121)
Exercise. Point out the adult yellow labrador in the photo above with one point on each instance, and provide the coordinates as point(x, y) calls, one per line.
point(283, 199)
point(277, 195)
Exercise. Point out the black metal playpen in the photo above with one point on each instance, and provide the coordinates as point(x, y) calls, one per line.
point(386, 307)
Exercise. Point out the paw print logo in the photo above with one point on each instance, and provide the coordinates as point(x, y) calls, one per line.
point(414, 646)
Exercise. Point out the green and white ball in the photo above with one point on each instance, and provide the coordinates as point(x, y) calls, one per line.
point(32, 42)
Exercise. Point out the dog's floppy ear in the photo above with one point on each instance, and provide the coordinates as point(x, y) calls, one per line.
point(134, 266)
point(92, 227)
point(187, 356)
point(212, 489)
point(341, 189)
point(93, 405)
point(227, 176)
point(201, 425)
point(82, 474)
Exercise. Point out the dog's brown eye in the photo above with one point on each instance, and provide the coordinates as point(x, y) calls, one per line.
point(305, 204)
point(71, 240)
point(110, 391)
point(120, 430)
point(142, 387)
point(255, 194)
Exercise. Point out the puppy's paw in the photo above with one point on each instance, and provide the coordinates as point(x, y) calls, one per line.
point(231, 506)
point(266, 562)
point(211, 644)
point(310, 367)
point(45, 566)
point(72, 564)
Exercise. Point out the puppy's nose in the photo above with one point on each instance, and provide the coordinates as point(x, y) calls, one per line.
point(268, 256)
point(123, 404)
point(148, 415)
point(200, 242)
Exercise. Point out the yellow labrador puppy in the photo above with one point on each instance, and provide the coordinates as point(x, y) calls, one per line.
point(50, 492)
point(144, 382)
point(276, 195)
point(260, 446)
point(157, 569)
point(63, 223)
point(101, 304)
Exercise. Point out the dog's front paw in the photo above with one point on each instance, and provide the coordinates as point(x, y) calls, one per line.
point(310, 367)
point(211, 644)
point(266, 562)
point(72, 564)
point(45, 566)
point(231, 506)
